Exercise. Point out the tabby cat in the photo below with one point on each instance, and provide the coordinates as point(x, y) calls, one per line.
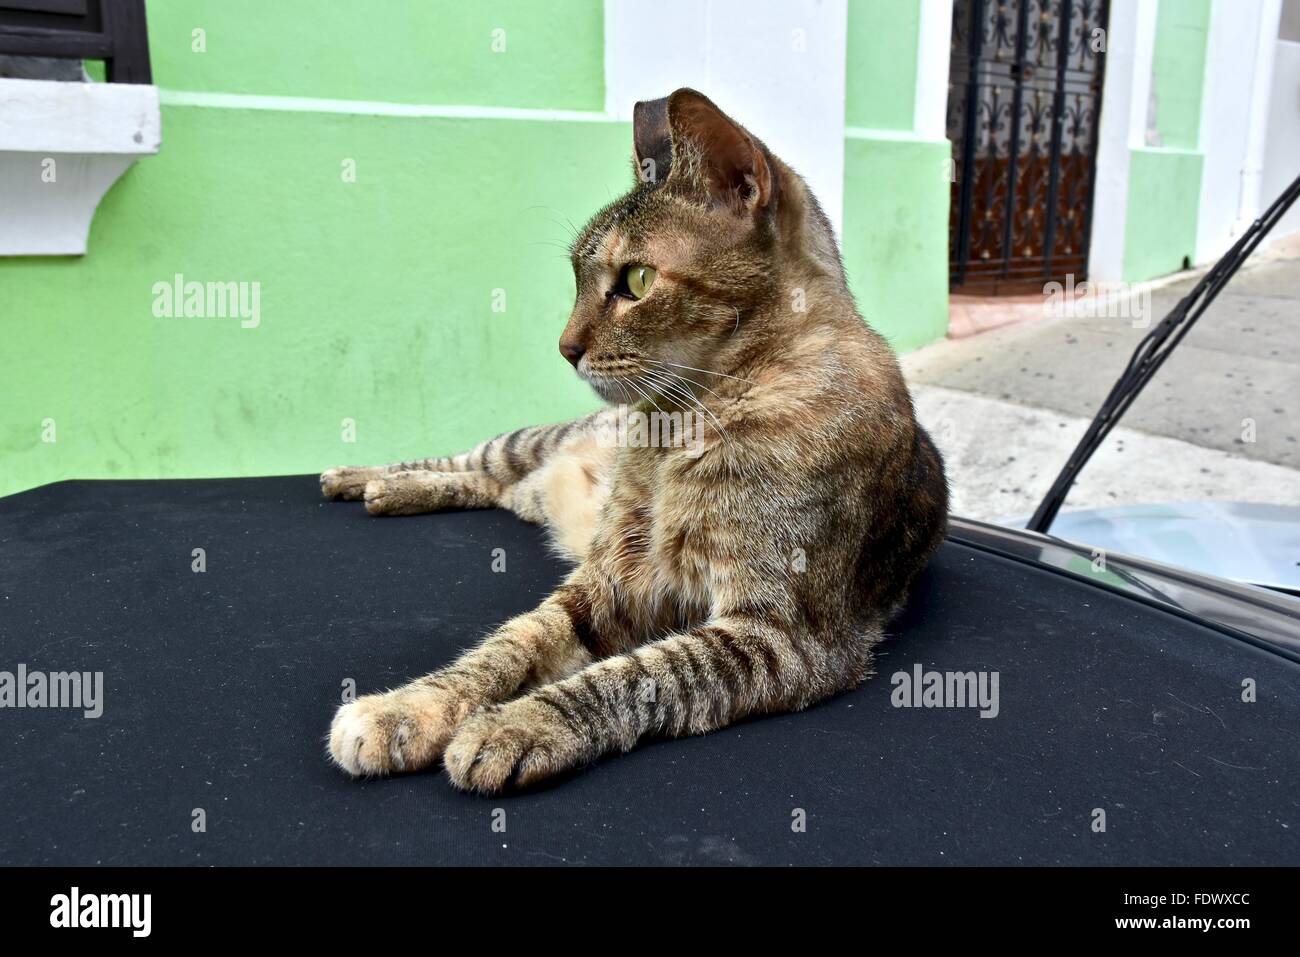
point(748, 573)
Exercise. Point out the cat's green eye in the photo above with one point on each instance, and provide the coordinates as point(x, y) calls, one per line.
point(638, 280)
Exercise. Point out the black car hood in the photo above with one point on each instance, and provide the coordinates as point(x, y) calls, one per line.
point(1122, 734)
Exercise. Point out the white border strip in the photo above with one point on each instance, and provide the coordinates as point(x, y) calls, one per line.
point(902, 136)
point(934, 50)
point(1252, 202)
point(1131, 39)
point(304, 104)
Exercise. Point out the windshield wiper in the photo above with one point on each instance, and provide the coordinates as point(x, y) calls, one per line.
point(1152, 351)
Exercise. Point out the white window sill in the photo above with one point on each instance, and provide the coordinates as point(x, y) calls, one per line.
point(62, 145)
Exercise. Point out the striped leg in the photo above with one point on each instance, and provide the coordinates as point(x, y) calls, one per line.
point(687, 683)
point(408, 728)
point(411, 493)
point(507, 458)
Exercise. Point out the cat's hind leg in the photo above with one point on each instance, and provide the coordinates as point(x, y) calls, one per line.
point(412, 493)
point(487, 458)
point(349, 482)
point(506, 459)
point(565, 495)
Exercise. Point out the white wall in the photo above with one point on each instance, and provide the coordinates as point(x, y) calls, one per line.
point(1234, 111)
point(776, 66)
point(1282, 144)
point(1126, 88)
point(933, 59)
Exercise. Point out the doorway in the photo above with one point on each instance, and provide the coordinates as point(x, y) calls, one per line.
point(1024, 101)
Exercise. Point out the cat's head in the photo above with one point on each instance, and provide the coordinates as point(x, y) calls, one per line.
point(670, 273)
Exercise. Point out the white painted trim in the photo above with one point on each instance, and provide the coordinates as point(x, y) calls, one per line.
point(933, 55)
point(1282, 141)
point(305, 104)
point(902, 136)
point(43, 116)
point(40, 218)
point(1234, 120)
point(1130, 51)
point(1252, 198)
point(62, 147)
point(1143, 66)
point(1167, 150)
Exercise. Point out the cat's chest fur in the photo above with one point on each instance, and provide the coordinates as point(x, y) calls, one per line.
point(662, 533)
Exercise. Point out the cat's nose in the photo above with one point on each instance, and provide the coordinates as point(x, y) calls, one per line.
point(571, 351)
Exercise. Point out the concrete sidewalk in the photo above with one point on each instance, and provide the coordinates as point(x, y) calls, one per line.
point(1218, 421)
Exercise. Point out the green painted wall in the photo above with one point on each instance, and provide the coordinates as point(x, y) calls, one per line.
point(399, 51)
point(376, 297)
point(896, 186)
point(1165, 179)
point(895, 238)
point(1178, 70)
point(1164, 191)
point(880, 70)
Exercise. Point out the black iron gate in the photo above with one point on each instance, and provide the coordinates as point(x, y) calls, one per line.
point(1024, 99)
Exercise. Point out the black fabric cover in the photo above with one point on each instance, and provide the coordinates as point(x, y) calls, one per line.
point(219, 687)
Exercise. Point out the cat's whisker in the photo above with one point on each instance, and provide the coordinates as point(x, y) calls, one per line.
point(573, 233)
point(644, 395)
point(678, 365)
point(678, 376)
point(661, 380)
point(567, 224)
point(694, 398)
point(651, 389)
point(670, 389)
point(627, 396)
point(691, 399)
point(563, 253)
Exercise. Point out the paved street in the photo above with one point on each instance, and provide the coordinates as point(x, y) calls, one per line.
point(1218, 421)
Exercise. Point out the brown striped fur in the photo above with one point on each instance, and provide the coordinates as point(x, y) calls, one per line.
point(750, 575)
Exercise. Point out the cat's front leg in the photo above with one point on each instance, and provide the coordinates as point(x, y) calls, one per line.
point(408, 728)
point(688, 683)
point(401, 730)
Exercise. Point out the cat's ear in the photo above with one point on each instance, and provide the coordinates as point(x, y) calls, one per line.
point(651, 141)
point(724, 160)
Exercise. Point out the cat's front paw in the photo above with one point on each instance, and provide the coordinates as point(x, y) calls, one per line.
point(402, 730)
point(513, 744)
point(348, 484)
